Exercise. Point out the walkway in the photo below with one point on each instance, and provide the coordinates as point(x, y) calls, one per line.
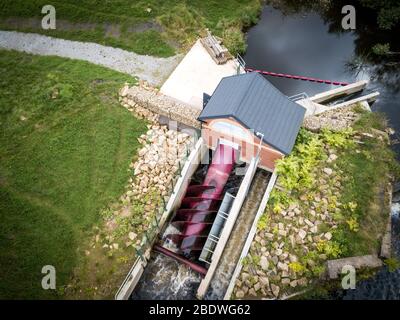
point(152, 69)
point(197, 74)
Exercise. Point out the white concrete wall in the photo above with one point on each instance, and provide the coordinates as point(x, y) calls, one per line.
point(181, 185)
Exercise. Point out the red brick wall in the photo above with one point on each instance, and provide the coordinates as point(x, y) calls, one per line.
point(248, 147)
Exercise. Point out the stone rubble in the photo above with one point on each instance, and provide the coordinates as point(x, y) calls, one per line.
point(154, 171)
point(289, 236)
point(335, 119)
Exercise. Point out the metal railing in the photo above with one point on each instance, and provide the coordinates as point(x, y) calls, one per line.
point(241, 63)
point(216, 229)
point(305, 101)
point(299, 96)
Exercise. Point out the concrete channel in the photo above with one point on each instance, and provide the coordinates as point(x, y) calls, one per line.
point(164, 278)
point(231, 255)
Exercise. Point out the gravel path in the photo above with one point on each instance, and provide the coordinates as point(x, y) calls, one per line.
point(152, 69)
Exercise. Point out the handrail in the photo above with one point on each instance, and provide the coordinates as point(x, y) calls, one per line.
point(241, 62)
point(299, 96)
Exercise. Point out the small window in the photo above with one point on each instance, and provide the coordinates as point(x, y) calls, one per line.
point(231, 129)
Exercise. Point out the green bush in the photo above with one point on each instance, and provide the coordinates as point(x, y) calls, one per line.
point(392, 263)
point(297, 267)
point(263, 222)
point(331, 248)
point(381, 49)
point(182, 23)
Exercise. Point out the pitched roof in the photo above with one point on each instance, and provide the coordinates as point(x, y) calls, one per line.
point(254, 102)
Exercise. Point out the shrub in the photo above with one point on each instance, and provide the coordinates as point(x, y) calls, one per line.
point(353, 224)
point(297, 267)
point(279, 197)
point(182, 23)
point(381, 49)
point(277, 208)
point(296, 169)
point(331, 248)
point(340, 139)
point(392, 263)
point(233, 36)
point(263, 222)
point(318, 270)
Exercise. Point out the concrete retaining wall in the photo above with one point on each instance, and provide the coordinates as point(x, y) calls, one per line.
point(334, 267)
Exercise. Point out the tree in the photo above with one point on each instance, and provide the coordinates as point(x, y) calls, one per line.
point(388, 12)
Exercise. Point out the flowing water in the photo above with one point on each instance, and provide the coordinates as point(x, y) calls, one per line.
point(311, 43)
point(166, 279)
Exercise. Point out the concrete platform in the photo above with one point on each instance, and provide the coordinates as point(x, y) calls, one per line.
point(334, 267)
point(196, 74)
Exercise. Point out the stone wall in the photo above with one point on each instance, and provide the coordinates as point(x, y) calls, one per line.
point(150, 99)
point(335, 119)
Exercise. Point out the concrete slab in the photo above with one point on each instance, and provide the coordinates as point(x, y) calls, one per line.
point(337, 92)
point(312, 108)
point(196, 74)
point(334, 267)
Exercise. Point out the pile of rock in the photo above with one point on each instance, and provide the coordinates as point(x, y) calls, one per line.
point(158, 160)
point(290, 234)
point(162, 153)
point(335, 119)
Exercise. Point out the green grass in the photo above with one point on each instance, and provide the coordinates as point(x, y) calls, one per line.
point(182, 21)
point(370, 167)
point(65, 149)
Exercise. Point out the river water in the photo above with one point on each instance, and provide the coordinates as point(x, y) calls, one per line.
point(305, 44)
point(311, 43)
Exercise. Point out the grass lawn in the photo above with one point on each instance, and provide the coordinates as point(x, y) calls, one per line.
point(369, 170)
point(65, 149)
point(144, 26)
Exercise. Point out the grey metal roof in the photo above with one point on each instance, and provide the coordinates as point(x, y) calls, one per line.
point(254, 102)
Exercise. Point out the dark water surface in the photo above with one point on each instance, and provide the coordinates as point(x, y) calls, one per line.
point(302, 44)
point(308, 44)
